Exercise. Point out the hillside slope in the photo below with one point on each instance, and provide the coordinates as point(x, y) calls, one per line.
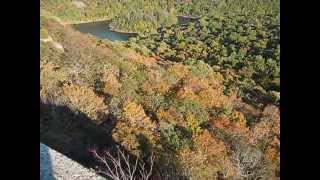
point(100, 93)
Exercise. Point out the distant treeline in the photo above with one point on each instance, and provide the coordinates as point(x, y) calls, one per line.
point(139, 15)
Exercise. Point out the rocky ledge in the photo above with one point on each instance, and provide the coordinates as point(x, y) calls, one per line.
point(56, 166)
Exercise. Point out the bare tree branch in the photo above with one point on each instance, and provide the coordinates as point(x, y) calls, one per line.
point(116, 170)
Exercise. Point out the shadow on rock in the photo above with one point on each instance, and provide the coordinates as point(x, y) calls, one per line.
point(72, 133)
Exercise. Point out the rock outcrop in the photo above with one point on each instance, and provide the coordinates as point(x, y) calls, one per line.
point(56, 166)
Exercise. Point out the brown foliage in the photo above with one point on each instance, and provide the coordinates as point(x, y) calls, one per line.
point(85, 100)
point(111, 84)
point(133, 126)
point(268, 128)
point(69, 77)
point(136, 115)
point(207, 159)
point(170, 115)
point(163, 80)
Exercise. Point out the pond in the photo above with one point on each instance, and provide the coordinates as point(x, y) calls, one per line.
point(101, 29)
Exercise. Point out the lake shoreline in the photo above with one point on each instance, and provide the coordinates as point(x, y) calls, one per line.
point(108, 21)
point(110, 28)
point(86, 21)
point(121, 32)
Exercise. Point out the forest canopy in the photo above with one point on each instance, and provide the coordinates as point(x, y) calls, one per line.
point(203, 97)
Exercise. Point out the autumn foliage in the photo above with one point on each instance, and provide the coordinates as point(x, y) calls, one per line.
point(185, 111)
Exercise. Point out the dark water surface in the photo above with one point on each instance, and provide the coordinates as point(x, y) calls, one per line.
point(101, 29)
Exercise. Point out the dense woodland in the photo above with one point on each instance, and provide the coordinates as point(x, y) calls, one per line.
point(146, 16)
point(243, 46)
point(125, 15)
point(202, 97)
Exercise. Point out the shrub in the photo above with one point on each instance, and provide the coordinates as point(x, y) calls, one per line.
point(249, 161)
point(206, 159)
point(193, 124)
point(111, 84)
point(173, 136)
point(85, 100)
point(126, 135)
point(187, 107)
point(134, 112)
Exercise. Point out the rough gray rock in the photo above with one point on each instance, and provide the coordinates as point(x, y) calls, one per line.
point(56, 166)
